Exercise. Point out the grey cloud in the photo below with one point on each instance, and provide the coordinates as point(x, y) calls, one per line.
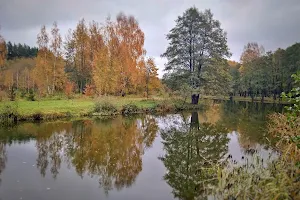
point(271, 23)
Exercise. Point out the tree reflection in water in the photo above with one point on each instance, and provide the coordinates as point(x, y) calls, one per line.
point(3, 157)
point(190, 151)
point(110, 149)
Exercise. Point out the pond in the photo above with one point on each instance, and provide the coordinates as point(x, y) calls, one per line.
point(137, 157)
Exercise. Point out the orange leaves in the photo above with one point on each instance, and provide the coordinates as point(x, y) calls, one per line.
point(89, 90)
point(152, 81)
point(251, 52)
point(131, 39)
point(69, 89)
point(82, 43)
point(116, 67)
point(107, 60)
point(3, 51)
point(49, 74)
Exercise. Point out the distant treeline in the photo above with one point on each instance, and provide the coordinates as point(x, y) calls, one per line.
point(264, 74)
point(20, 51)
point(110, 59)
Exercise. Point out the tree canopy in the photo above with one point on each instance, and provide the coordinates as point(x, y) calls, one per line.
point(195, 43)
point(94, 59)
point(265, 74)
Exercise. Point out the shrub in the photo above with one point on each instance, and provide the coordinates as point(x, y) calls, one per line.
point(104, 108)
point(164, 106)
point(37, 116)
point(9, 114)
point(89, 90)
point(12, 94)
point(3, 95)
point(258, 178)
point(180, 105)
point(31, 95)
point(129, 109)
point(69, 89)
point(23, 93)
point(69, 114)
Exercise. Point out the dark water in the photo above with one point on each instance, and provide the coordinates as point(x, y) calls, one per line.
point(141, 157)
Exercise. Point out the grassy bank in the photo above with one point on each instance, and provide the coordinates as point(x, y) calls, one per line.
point(54, 109)
point(248, 99)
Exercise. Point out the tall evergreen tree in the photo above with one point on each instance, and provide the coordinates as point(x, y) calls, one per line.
point(15, 51)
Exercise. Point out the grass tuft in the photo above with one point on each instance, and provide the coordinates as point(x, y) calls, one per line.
point(129, 109)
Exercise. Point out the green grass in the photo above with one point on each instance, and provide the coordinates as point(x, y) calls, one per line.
point(75, 107)
point(56, 107)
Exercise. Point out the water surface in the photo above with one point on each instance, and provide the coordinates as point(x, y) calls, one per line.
point(140, 157)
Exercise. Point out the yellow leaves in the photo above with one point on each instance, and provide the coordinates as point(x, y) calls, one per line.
point(251, 52)
point(43, 39)
point(8, 78)
point(49, 73)
point(109, 58)
point(118, 61)
point(242, 69)
point(3, 51)
point(17, 73)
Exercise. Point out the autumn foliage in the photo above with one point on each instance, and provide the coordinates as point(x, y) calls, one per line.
point(108, 58)
point(89, 90)
point(3, 51)
point(69, 89)
point(92, 59)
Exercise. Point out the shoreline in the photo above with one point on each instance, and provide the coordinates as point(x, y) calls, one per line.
point(48, 110)
point(245, 99)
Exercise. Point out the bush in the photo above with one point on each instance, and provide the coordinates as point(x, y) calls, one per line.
point(69, 89)
point(89, 90)
point(180, 105)
point(258, 178)
point(12, 94)
point(31, 95)
point(3, 95)
point(104, 108)
point(164, 106)
point(129, 109)
point(23, 93)
point(37, 116)
point(69, 114)
point(9, 114)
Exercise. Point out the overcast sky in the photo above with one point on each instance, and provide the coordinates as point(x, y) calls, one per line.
point(271, 23)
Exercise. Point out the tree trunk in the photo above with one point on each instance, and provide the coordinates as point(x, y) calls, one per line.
point(195, 99)
point(147, 90)
point(54, 76)
point(274, 95)
point(194, 121)
point(17, 79)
